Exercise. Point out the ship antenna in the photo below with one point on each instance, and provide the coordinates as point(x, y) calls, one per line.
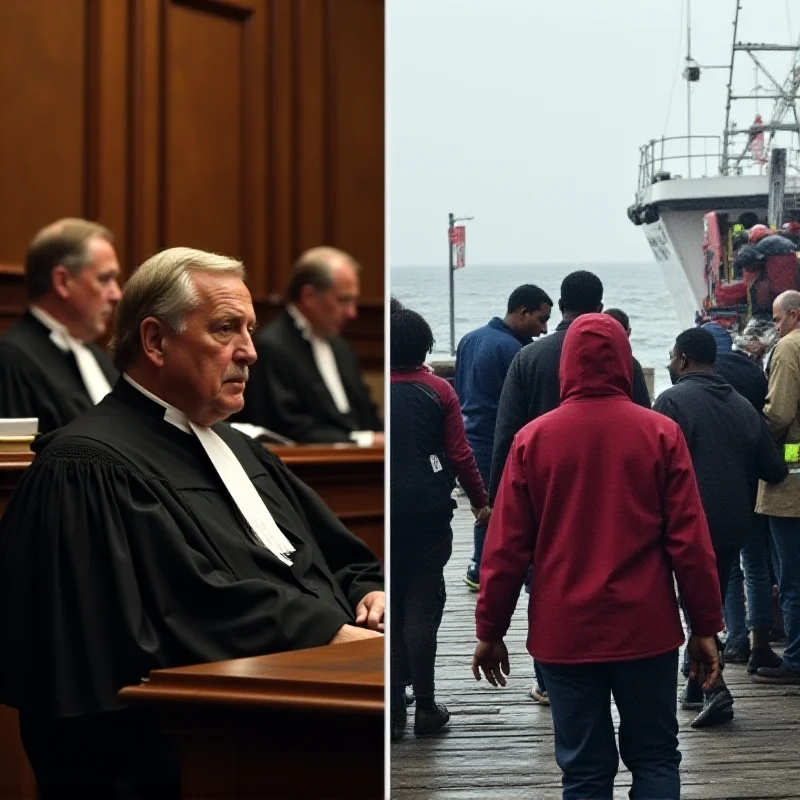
point(688, 82)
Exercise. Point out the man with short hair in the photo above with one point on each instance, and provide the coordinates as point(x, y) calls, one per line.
point(731, 451)
point(748, 379)
point(50, 367)
point(149, 534)
point(532, 386)
point(482, 360)
point(307, 383)
point(781, 503)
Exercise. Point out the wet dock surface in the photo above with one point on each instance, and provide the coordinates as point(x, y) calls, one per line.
point(499, 743)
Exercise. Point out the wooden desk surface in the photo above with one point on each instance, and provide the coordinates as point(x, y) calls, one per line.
point(329, 453)
point(290, 726)
point(341, 678)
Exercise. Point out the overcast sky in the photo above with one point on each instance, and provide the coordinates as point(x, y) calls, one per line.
point(529, 114)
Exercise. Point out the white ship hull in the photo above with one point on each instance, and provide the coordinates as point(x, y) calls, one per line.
point(676, 238)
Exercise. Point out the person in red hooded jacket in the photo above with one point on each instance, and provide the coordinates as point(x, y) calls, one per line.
point(600, 497)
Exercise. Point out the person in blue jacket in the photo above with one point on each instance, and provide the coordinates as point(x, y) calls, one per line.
point(482, 360)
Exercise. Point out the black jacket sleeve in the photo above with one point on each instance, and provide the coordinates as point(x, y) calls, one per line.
point(771, 465)
point(512, 415)
point(640, 394)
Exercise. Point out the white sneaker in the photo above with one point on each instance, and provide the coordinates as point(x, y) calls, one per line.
point(539, 696)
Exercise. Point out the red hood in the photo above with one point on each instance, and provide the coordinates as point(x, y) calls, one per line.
point(596, 360)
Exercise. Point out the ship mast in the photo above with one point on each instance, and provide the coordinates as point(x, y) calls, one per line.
point(726, 134)
point(785, 95)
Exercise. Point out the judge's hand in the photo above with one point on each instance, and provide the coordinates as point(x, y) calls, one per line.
point(369, 612)
point(350, 633)
point(492, 658)
point(379, 439)
point(703, 653)
point(482, 515)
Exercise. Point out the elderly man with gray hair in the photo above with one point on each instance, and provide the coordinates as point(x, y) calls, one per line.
point(50, 367)
point(307, 384)
point(148, 533)
point(781, 503)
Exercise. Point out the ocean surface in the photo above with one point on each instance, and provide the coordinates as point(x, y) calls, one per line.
point(481, 292)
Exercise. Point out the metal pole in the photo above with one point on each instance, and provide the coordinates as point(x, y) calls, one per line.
point(688, 82)
point(451, 271)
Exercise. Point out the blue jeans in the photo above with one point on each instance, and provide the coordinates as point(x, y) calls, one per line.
point(757, 583)
point(539, 676)
point(645, 692)
point(483, 458)
point(734, 611)
point(786, 542)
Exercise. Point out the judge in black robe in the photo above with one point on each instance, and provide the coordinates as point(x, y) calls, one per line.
point(287, 393)
point(122, 552)
point(38, 379)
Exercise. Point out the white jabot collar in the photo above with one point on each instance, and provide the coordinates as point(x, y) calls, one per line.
point(173, 415)
point(244, 494)
point(94, 379)
point(59, 334)
point(306, 328)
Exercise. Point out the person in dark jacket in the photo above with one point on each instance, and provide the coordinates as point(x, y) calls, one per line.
point(639, 383)
point(731, 450)
point(600, 498)
point(428, 450)
point(532, 384)
point(747, 377)
point(482, 361)
point(738, 369)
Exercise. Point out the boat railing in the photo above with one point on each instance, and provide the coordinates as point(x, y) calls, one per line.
point(679, 157)
point(673, 157)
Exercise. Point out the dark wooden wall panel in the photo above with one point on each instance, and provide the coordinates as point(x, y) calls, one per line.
point(42, 138)
point(249, 127)
point(203, 131)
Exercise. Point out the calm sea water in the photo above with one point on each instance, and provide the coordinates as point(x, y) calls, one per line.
point(481, 292)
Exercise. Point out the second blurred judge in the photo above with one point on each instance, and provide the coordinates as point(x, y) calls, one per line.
point(307, 382)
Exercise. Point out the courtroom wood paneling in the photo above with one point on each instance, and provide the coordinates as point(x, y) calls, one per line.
point(251, 127)
point(43, 135)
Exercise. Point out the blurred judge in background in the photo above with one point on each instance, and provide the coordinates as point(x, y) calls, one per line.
point(50, 367)
point(307, 383)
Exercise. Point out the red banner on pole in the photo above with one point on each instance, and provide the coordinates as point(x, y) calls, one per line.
point(458, 241)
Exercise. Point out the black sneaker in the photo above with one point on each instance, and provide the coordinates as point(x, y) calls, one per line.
point(737, 655)
point(472, 578)
point(397, 706)
point(430, 722)
point(692, 697)
point(763, 657)
point(777, 635)
point(781, 674)
point(717, 709)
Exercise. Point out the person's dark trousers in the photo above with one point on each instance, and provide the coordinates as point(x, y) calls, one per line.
point(539, 676)
point(726, 556)
point(114, 756)
point(586, 751)
point(417, 602)
point(483, 458)
point(786, 547)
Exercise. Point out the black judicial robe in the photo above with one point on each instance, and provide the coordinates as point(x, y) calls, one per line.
point(121, 552)
point(287, 393)
point(37, 379)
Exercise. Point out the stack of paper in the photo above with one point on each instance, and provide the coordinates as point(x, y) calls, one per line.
point(17, 435)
